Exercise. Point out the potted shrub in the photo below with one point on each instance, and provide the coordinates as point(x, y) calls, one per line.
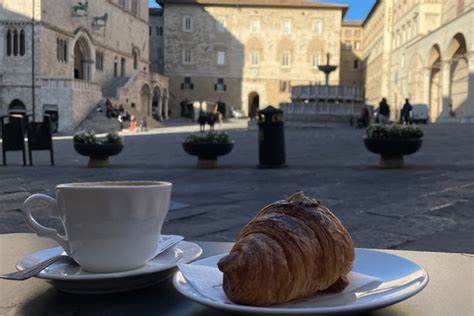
point(98, 150)
point(392, 142)
point(207, 147)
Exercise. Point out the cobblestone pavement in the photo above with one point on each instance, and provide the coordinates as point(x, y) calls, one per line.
point(428, 205)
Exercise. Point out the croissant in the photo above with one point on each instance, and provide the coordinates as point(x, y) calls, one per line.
point(292, 249)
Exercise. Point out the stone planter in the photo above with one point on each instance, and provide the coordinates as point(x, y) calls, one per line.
point(391, 151)
point(207, 153)
point(98, 153)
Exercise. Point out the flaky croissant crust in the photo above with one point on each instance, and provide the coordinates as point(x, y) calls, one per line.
point(290, 250)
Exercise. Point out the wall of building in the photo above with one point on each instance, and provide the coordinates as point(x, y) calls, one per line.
point(351, 72)
point(126, 33)
point(156, 40)
point(269, 79)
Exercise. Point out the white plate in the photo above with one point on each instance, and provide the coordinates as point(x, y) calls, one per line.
point(67, 276)
point(400, 279)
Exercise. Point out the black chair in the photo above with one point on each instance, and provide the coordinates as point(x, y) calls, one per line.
point(13, 138)
point(40, 137)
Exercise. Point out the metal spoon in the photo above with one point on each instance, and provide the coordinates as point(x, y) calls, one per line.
point(33, 270)
point(165, 243)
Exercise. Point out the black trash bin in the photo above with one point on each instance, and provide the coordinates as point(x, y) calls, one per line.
point(271, 138)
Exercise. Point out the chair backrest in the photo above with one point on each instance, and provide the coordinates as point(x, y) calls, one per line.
point(12, 134)
point(39, 135)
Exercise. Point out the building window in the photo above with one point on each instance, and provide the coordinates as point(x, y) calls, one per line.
point(159, 31)
point(285, 59)
point(255, 58)
point(15, 43)
point(317, 27)
point(356, 64)
point(187, 84)
point(136, 7)
point(22, 43)
point(187, 57)
point(357, 34)
point(99, 61)
point(220, 27)
point(255, 26)
point(286, 27)
point(348, 33)
point(315, 60)
point(61, 50)
point(347, 45)
point(285, 86)
point(135, 59)
point(187, 23)
point(221, 58)
point(357, 45)
point(123, 4)
point(220, 85)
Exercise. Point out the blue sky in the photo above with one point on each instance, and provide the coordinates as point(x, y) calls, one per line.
point(358, 9)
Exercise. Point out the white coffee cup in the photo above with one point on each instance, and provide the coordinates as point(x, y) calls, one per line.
point(109, 226)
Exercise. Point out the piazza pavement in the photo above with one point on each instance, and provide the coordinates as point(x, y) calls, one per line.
point(426, 206)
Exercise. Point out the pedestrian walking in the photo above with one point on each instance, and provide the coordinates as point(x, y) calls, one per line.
point(406, 112)
point(384, 111)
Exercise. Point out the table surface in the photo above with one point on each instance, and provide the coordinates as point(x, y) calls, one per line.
point(450, 290)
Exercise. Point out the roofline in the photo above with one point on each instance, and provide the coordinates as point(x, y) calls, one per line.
point(376, 4)
point(260, 3)
point(354, 23)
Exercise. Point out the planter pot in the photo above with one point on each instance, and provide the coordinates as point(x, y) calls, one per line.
point(98, 153)
point(207, 153)
point(391, 151)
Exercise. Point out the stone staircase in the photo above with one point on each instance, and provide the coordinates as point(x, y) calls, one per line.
point(98, 122)
point(109, 88)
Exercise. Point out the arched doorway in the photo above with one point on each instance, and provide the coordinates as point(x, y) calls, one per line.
point(156, 105)
point(435, 82)
point(253, 105)
point(82, 60)
point(145, 98)
point(459, 74)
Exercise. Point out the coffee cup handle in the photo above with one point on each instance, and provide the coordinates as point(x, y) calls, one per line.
point(41, 230)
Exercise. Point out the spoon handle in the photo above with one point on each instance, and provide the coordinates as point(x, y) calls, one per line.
point(31, 271)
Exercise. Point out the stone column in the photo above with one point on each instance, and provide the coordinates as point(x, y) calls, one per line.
point(469, 104)
point(165, 107)
point(159, 108)
point(426, 85)
point(445, 88)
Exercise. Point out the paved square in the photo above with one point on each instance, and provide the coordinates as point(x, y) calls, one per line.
point(428, 205)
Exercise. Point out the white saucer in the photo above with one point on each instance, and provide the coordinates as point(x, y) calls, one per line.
point(399, 278)
point(67, 276)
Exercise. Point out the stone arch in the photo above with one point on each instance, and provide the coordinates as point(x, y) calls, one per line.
point(17, 106)
point(145, 99)
point(434, 97)
point(459, 74)
point(83, 56)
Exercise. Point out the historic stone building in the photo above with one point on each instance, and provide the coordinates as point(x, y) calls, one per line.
point(421, 50)
point(351, 54)
point(156, 40)
point(246, 53)
point(79, 55)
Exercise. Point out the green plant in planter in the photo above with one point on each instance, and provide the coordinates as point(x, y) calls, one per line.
point(211, 137)
point(98, 149)
point(90, 138)
point(394, 131)
point(392, 142)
